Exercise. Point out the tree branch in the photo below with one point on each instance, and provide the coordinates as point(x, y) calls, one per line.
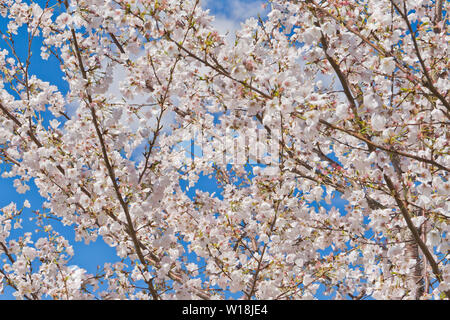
point(375, 145)
point(414, 231)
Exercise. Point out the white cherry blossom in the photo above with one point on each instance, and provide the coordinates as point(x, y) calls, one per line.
point(322, 133)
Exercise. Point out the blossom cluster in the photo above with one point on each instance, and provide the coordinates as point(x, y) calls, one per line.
point(355, 94)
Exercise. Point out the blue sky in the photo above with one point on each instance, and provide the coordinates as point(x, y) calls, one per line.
point(229, 15)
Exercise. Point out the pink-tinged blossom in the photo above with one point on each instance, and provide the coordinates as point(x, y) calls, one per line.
point(378, 122)
point(329, 104)
point(387, 65)
point(342, 111)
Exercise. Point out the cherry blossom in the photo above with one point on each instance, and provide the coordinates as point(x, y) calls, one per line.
point(324, 126)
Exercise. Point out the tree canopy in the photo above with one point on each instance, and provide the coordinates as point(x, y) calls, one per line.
point(324, 126)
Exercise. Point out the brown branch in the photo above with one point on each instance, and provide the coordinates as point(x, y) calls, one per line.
point(9, 282)
point(411, 77)
point(259, 268)
point(220, 71)
point(131, 231)
point(414, 231)
point(37, 142)
point(137, 244)
point(375, 145)
point(429, 82)
point(5, 250)
point(151, 146)
point(18, 123)
point(340, 75)
point(438, 15)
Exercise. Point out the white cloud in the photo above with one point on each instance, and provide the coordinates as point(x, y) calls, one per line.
point(245, 9)
point(230, 14)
